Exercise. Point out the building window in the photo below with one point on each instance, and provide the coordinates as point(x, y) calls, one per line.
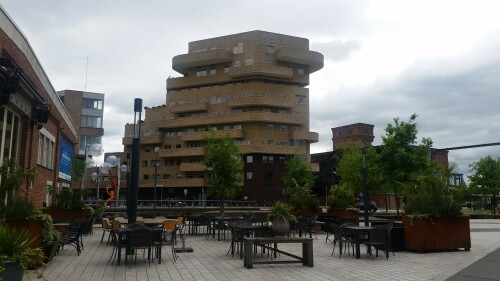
point(249, 159)
point(249, 175)
point(86, 141)
point(238, 49)
point(270, 49)
point(46, 144)
point(226, 69)
point(248, 61)
point(237, 126)
point(301, 99)
point(237, 63)
point(269, 127)
point(269, 178)
point(146, 177)
point(91, 121)
point(201, 72)
point(213, 71)
point(270, 142)
point(92, 104)
point(300, 71)
point(144, 164)
point(283, 129)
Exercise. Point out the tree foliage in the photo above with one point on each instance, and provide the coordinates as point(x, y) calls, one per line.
point(486, 178)
point(401, 155)
point(299, 180)
point(12, 176)
point(223, 159)
point(349, 168)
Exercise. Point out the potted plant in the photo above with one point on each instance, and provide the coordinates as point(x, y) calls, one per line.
point(433, 217)
point(16, 254)
point(69, 204)
point(281, 214)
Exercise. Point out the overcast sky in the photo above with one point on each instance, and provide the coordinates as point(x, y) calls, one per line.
point(383, 59)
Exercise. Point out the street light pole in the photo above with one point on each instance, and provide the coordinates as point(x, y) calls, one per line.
point(366, 200)
point(156, 163)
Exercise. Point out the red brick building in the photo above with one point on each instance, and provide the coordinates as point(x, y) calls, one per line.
point(35, 128)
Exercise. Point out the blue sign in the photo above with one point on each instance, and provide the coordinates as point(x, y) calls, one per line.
point(66, 160)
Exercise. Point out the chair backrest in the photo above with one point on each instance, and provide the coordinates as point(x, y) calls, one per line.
point(116, 224)
point(169, 224)
point(263, 231)
point(180, 221)
point(337, 231)
point(249, 216)
point(105, 223)
point(378, 235)
point(140, 237)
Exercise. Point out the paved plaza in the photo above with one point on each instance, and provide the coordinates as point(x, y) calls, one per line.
point(210, 262)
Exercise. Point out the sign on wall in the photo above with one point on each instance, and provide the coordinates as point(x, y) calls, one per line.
point(66, 162)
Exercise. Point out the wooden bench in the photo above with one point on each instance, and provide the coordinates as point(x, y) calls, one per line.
point(307, 250)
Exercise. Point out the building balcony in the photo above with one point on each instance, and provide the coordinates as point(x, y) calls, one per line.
point(307, 136)
point(178, 183)
point(261, 101)
point(261, 70)
point(189, 107)
point(182, 63)
point(182, 152)
point(192, 167)
point(190, 82)
point(245, 117)
point(272, 149)
point(151, 139)
point(200, 136)
point(299, 56)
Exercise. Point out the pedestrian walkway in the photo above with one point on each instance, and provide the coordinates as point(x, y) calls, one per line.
point(210, 262)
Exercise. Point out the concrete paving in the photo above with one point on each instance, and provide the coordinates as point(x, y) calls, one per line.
point(210, 262)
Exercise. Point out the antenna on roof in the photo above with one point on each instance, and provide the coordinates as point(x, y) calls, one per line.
point(86, 70)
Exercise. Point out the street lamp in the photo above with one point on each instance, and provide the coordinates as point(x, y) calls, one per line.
point(185, 195)
point(156, 164)
point(95, 178)
point(93, 150)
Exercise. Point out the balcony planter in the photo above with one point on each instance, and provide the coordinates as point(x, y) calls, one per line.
point(436, 234)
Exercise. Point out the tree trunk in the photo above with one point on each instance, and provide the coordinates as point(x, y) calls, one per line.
point(221, 208)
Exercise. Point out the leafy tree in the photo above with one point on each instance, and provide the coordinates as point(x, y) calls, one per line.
point(223, 160)
point(486, 178)
point(349, 168)
point(12, 176)
point(402, 156)
point(298, 180)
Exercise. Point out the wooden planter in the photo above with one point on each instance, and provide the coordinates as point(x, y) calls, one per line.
point(342, 213)
point(308, 212)
point(437, 234)
point(67, 215)
point(34, 228)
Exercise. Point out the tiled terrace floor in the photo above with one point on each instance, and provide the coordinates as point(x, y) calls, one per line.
point(210, 262)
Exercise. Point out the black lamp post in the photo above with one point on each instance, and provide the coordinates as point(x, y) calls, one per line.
point(134, 166)
point(156, 164)
point(366, 201)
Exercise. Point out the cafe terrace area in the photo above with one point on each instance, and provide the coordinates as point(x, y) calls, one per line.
point(212, 259)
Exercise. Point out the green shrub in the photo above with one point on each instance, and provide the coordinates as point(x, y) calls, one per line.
point(341, 197)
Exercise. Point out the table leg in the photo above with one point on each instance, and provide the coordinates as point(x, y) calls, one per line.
point(357, 246)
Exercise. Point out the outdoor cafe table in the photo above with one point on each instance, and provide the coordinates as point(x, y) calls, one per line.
point(357, 230)
point(122, 234)
point(220, 224)
point(307, 250)
point(150, 222)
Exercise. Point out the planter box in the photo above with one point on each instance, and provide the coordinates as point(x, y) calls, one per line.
point(439, 234)
point(67, 215)
point(307, 212)
point(32, 226)
point(354, 214)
